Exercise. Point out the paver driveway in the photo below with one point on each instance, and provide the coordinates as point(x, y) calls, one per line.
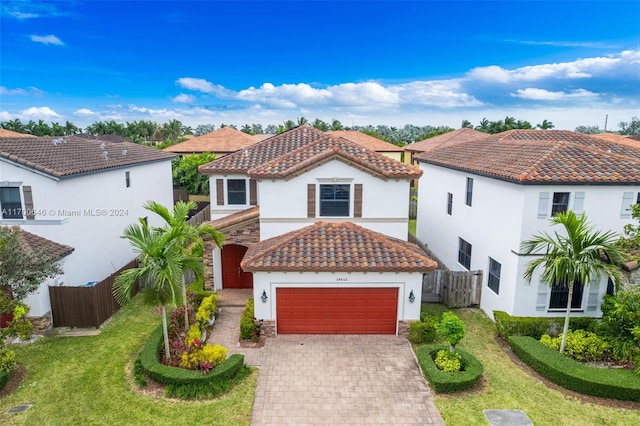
point(333, 379)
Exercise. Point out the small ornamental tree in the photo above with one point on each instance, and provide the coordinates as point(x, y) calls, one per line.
point(621, 325)
point(452, 329)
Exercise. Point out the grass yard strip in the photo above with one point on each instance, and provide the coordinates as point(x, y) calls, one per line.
point(507, 386)
point(82, 380)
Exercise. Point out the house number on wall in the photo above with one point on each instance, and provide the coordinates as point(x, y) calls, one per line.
point(341, 279)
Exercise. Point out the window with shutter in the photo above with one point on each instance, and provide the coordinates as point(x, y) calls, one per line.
point(311, 200)
point(357, 200)
point(220, 192)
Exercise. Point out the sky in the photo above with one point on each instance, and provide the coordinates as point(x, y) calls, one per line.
point(364, 62)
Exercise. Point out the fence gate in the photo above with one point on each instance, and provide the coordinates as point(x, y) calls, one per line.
point(456, 289)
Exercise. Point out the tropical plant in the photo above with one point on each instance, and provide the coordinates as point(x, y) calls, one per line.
point(187, 237)
point(23, 271)
point(621, 324)
point(451, 328)
point(577, 256)
point(545, 125)
point(163, 262)
point(186, 176)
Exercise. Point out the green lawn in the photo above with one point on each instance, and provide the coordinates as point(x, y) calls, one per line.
point(412, 226)
point(509, 387)
point(82, 380)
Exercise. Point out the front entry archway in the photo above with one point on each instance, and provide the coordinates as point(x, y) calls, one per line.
point(232, 274)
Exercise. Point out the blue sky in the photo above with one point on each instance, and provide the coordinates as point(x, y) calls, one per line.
point(365, 62)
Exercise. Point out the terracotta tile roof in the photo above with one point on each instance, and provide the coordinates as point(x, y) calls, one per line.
point(613, 137)
point(103, 138)
point(325, 149)
point(32, 242)
point(225, 139)
point(235, 218)
point(543, 156)
point(634, 137)
point(367, 141)
point(446, 139)
point(4, 133)
point(76, 155)
point(293, 151)
point(336, 247)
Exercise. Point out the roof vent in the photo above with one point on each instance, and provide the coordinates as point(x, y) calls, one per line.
point(105, 155)
point(124, 152)
point(58, 141)
point(102, 146)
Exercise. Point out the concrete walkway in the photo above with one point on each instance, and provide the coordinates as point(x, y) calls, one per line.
point(332, 379)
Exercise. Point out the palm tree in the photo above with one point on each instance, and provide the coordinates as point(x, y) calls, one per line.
point(187, 236)
point(484, 126)
point(336, 124)
point(576, 257)
point(545, 125)
point(163, 263)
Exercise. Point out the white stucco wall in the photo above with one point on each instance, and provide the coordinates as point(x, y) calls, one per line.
point(385, 203)
point(89, 213)
point(501, 216)
point(270, 281)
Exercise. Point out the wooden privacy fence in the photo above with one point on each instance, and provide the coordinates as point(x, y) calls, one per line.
point(86, 306)
point(204, 215)
point(456, 289)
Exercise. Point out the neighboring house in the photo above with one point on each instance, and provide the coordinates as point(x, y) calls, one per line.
point(220, 142)
point(378, 145)
point(479, 200)
point(82, 194)
point(317, 226)
point(4, 133)
point(442, 141)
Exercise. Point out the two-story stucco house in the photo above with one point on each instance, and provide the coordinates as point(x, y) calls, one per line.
point(479, 200)
point(317, 226)
point(80, 194)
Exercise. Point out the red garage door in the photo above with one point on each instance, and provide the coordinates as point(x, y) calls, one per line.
point(337, 310)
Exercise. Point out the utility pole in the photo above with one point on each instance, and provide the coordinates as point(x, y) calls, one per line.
point(606, 118)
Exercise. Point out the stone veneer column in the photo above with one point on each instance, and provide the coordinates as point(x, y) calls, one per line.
point(207, 255)
point(42, 324)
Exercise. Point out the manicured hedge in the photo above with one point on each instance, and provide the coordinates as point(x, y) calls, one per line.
point(620, 384)
point(4, 378)
point(537, 326)
point(449, 382)
point(188, 384)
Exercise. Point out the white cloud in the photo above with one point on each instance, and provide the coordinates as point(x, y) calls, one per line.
point(202, 85)
point(6, 116)
point(40, 112)
point(580, 68)
point(49, 39)
point(546, 95)
point(84, 112)
point(184, 98)
point(23, 10)
point(20, 91)
point(156, 113)
point(443, 94)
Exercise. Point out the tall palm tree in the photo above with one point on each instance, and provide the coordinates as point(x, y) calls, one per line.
point(163, 263)
point(484, 126)
point(545, 125)
point(187, 236)
point(579, 255)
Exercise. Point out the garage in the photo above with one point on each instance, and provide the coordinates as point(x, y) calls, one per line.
point(345, 310)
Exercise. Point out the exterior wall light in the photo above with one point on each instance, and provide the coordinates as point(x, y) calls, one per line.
point(412, 297)
point(264, 296)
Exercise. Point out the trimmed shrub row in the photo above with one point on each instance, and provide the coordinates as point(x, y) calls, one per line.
point(189, 384)
point(537, 326)
point(449, 382)
point(619, 384)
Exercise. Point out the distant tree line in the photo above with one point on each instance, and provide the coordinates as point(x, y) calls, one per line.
point(173, 131)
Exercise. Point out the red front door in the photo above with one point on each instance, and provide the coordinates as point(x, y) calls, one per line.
point(232, 274)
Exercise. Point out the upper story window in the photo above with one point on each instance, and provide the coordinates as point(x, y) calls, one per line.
point(449, 203)
point(11, 203)
point(469, 197)
point(560, 203)
point(464, 253)
point(127, 179)
point(494, 275)
point(236, 191)
point(335, 200)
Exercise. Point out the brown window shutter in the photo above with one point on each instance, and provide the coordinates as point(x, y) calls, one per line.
point(357, 200)
point(311, 200)
point(28, 202)
point(220, 192)
point(253, 192)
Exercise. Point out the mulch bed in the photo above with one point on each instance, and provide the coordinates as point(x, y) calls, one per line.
point(567, 393)
point(252, 343)
point(18, 374)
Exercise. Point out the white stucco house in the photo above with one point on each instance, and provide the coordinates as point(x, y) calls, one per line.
point(317, 226)
point(80, 194)
point(479, 200)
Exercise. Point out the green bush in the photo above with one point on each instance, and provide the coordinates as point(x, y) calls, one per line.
point(537, 326)
point(7, 359)
point(249, 327)
point(423, 331)
point(570, 374)
point(621, 324)
point(451, 328)
point(581, 345)
point(442, 381)
point(189, 384)
point(4, 379)
point(138, 373)
point(449, 362)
